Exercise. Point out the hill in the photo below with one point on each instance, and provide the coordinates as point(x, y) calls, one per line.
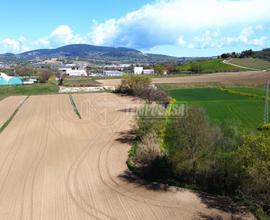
point(251, 63)
point(208, 66)
point(95, 54)
point(263, 54)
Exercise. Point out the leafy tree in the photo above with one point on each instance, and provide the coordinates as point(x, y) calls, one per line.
point(151, 94)
point(132, 84)
point(186, 139)
point(254, 155)
point(45, 74)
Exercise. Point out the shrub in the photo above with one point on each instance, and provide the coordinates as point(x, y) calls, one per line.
point(222, 172)
point(188, 150)
point(147, 121)
point(140, 86)
point(185, 140)
point(151, 94)
point(148, 150)
point(265, 127)
point(254, 156)
point(132, 84)
point(45, 74)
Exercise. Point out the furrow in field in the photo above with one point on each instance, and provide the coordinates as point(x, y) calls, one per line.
point(8, 106)
point(56, 166)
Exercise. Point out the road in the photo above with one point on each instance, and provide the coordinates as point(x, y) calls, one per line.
point(56, 166)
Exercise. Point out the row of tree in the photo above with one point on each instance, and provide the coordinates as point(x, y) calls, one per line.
point(216, 158)
point(140, 86)
point(243, 54)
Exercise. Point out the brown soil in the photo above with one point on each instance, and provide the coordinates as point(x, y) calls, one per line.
point(252, 77)
point(8, 106)
point(56, 166)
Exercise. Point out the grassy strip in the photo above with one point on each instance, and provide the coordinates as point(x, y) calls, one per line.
point(74, 106)
point(12, 116)
point(28, 90)
point(230, 91)
point(80, 82)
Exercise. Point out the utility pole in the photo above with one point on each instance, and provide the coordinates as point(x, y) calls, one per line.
point(266, 104)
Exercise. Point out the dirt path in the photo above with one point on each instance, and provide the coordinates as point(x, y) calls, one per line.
point(55, 166)
point(8, 106)
point(249, 77)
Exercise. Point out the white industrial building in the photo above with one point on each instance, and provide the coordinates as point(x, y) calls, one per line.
point(112, 73)
point(72, 70)
point(149, 71)
point(138, 70)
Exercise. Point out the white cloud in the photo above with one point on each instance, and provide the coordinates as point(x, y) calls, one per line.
point(213, 39)
point(181, 41)
point(209, 39)
point(189, 24)
point(13, 45)
point(247, 37)
point(165, 20)
point(60, 36)
point(103, 32)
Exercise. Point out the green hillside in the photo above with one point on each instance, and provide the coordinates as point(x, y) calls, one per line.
point(254, 63)
point(208, 66)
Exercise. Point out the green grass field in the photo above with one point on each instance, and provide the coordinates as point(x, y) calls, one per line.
point(254, 63)
point(36, 89)
point(221, 106)
point(209, 66)
point(80, 81)
point(258, 90)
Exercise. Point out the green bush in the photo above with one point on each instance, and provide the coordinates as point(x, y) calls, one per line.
point(254, 156)
point(185, 141)
point(45, 74)
point(265, 127)
point(132, 84)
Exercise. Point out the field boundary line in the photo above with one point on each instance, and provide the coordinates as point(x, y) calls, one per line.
point(245, 94)
point(75, 109)
point(2, 128)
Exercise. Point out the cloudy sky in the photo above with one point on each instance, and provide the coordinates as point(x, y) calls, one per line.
point(173, 27)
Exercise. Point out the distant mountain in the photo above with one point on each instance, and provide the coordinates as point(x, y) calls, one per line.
point(95, 54)
point(83, 51)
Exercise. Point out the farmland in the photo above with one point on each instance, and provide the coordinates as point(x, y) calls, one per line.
point(208, 66)
point(221, 105)
point(79, 81)
point(253, 63)
point(26, 90)
point(231, 78)
point(63, 167)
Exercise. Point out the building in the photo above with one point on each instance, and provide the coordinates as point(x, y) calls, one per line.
point(140, 70)
point(149, 71)
point(72, 70)
point(112, 73)
point(10, 80)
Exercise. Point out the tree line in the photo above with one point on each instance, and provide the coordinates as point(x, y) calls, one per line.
point(189, 150)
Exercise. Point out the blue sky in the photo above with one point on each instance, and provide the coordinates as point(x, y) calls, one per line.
point(173, 27)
